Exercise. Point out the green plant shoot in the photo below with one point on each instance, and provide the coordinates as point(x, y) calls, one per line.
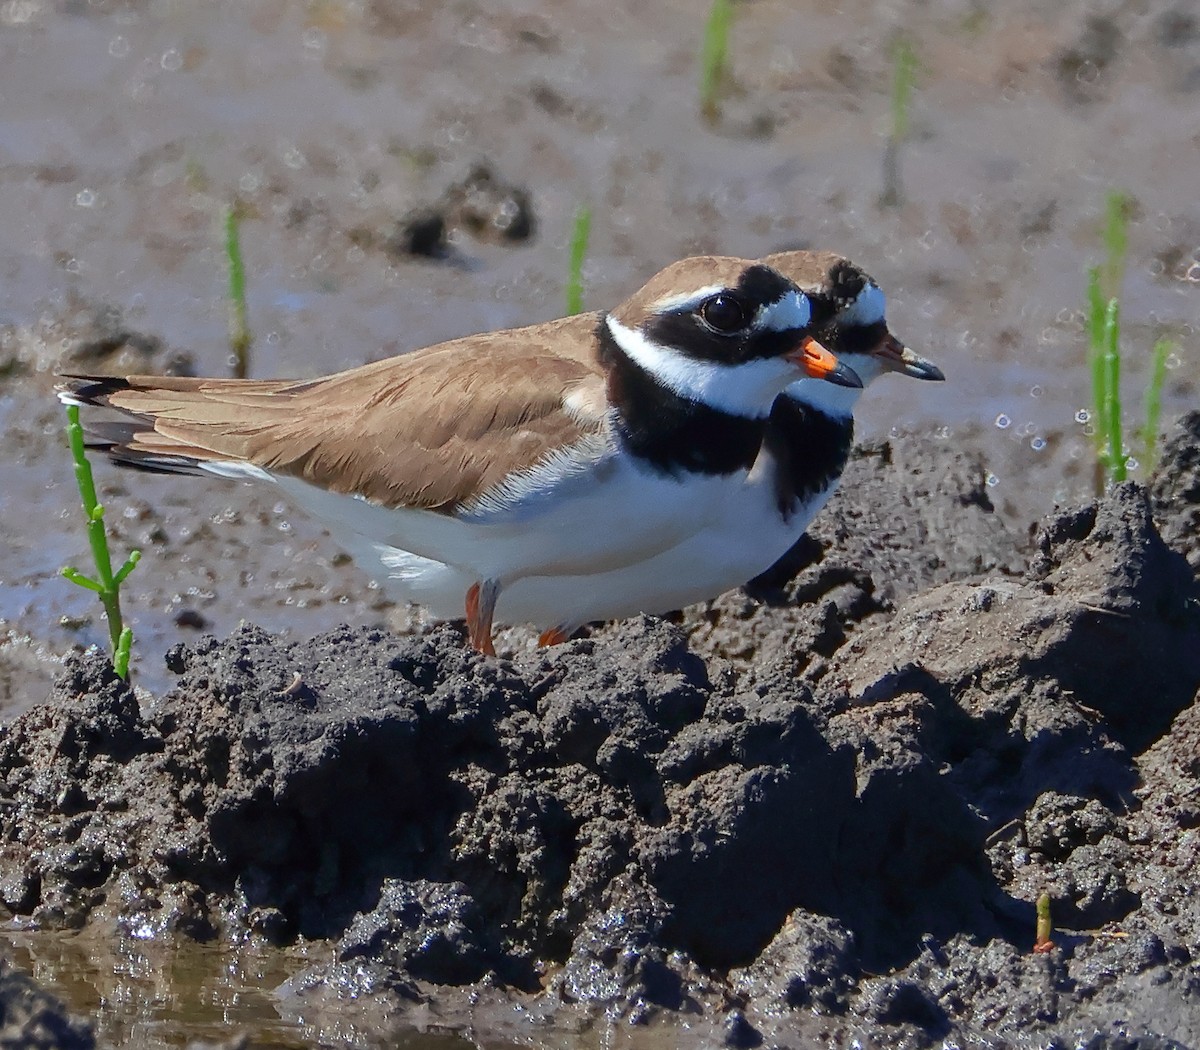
point(239, 329)
point(580, 235)
point(106, 583)
point(1110, 415)
point(904, 76)
point(1116, 242)
point(714, 56)
point(1104, 352)
point(1152, 402)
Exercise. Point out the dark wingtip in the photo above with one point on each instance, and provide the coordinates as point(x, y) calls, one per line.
point(88, 389)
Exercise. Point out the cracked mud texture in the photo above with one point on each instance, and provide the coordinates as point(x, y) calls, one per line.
point(632, 825)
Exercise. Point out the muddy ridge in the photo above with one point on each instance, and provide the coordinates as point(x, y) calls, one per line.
point(843, 836)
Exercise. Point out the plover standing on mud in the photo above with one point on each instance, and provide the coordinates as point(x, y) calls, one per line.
point(570, 448)
point(806, 443)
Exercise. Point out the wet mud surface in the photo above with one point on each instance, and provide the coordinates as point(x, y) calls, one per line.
point(840, 837)
point(818, 809)
point(29, 1017)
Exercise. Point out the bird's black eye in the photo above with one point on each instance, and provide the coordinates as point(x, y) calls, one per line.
point(724, 313)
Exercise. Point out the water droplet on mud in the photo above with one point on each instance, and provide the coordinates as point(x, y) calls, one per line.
point(991, 480)
point(1037, 444)
point(1035, 390)
point(1003, 422)
point(85, 199)
point(1082, 415)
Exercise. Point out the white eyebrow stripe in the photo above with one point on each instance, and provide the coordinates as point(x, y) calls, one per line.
point(869, 306)
point(786, 314)
point(687, 300)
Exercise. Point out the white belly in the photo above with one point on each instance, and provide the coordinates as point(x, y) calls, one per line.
point(615, 513)
point(745, 537)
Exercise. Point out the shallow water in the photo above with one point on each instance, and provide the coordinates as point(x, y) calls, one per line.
point(125, 128)
point(150, 995)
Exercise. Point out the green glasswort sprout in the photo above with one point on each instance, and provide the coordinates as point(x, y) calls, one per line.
point(1152, 403)
point(239, 329)
point(106, 583)
point(1116, 241)
point(1104, 353)
point(580, 235)
point(904, 76)
point(713, 57)
point(1110, 415)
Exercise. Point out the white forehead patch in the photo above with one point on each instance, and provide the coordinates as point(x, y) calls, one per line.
point(869, 306)
point(687, 301)
point(783, 315)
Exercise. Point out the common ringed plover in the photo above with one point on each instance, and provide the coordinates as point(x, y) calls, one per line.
point(566, 449)
point(806, 443)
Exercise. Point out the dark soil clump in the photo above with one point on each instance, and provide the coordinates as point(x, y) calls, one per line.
point(1175, 489)
point(843, 836)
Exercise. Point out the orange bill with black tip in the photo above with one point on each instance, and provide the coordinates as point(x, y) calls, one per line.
point(820, 363)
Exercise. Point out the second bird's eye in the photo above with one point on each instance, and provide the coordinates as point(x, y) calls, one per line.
point(724, 313)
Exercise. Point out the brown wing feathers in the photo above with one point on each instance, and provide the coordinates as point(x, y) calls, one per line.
point(431, 429)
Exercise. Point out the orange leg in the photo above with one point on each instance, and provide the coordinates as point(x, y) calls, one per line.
point(553, 636)
point(481, 605)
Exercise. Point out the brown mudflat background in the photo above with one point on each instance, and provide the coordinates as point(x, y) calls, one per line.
point(818, 810)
